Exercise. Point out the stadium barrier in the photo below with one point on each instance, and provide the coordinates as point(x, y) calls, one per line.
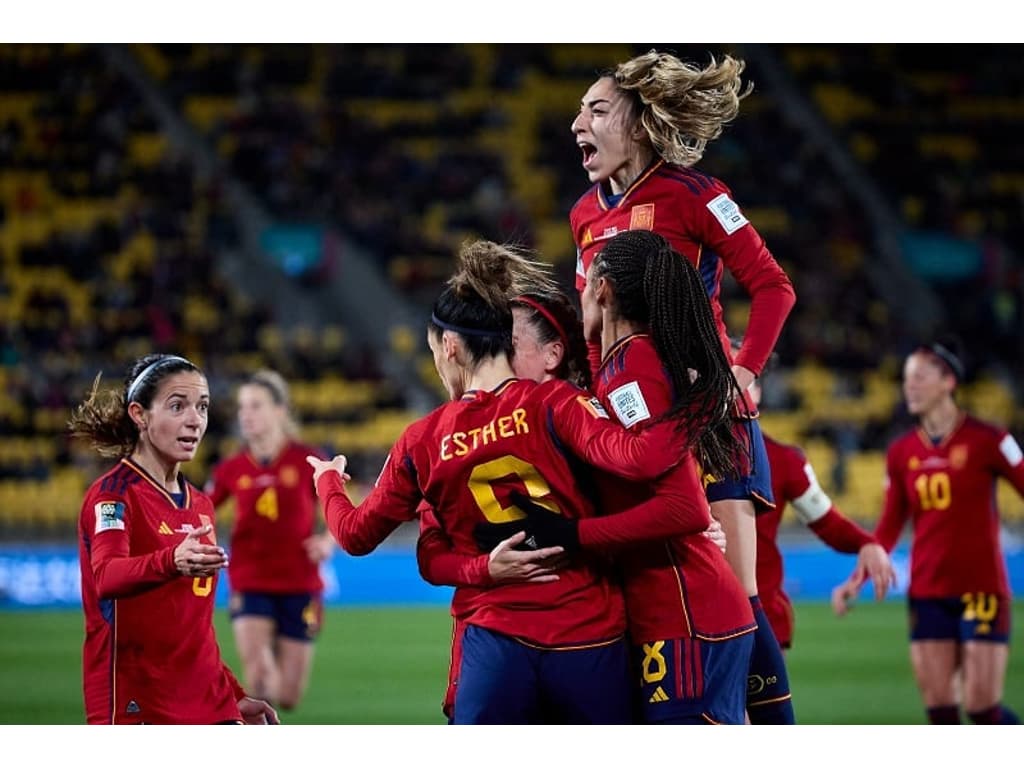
point(49, 577)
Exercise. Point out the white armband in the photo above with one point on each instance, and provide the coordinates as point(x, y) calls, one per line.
point(812, 503)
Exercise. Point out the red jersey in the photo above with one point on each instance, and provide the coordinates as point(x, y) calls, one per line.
point(466, 457)
point(948, 491)
point(681, 586)
point(150, 652)
point(697, 215)
point(275, 513)
point(793, 480)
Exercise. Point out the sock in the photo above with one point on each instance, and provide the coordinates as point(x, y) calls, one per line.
point(995, 715)
point(948, 715)
point(769, 701)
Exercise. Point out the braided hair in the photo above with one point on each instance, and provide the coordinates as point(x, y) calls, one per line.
point(657, 287)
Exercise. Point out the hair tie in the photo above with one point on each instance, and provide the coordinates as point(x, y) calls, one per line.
point(536, 305)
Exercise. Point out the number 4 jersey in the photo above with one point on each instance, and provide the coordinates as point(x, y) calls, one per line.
point(948, 491)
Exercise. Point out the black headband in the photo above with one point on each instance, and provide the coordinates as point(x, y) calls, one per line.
point(950, 359)
point(465, 331)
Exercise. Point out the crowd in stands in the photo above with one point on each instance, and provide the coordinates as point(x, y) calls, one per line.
point(408, 150)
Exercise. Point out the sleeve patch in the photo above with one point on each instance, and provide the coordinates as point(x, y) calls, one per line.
point(1011, 451)
point(593, 406)
point(727, 212)
point(629, 404)
point(109, 516)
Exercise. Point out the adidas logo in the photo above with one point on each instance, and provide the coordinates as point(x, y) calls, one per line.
point(165, 529)
point(658, 696)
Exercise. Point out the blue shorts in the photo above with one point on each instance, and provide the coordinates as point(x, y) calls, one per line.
point(973, 616)
point(756, 483)
point(505, 681)
point(686, 680)
point(298, 616)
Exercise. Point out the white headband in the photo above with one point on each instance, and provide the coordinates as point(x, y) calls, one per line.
point(148, 370)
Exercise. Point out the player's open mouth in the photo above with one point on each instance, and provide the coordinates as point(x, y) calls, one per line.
point(589, 152)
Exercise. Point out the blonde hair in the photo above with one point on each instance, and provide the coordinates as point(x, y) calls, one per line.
point(274, 383)
point(680, 105)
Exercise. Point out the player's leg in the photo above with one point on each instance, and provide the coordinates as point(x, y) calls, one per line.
point(255, 628)
point(738, 524)
point(300, 618)
point(588, 686)
point(935, 656)
point(935, 664)
point(733, 504)
point(985, 630)
point(498, 680)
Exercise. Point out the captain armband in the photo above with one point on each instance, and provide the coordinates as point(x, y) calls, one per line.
point(814, 503)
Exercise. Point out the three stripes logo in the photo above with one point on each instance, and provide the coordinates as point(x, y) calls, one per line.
point(658, 696)
point(165, 529)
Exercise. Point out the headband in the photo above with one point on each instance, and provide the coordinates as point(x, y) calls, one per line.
point(950, 359)
point(536, 305)
point(133, 388)
point(465, 331)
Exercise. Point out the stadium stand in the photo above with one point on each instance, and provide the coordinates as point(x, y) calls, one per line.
point(112, 236)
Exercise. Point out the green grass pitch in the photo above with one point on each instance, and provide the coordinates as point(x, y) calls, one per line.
point(389, 666)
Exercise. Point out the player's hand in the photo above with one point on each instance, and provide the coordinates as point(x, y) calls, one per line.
point(257, 712)
point(716, 533)
point(194, 558)
point(547, 528)
point(843, 597)
point(490, 535)
point(873, 563)
point(337, 464)
point(319, 546)
point(506, 563)
point(744, 377)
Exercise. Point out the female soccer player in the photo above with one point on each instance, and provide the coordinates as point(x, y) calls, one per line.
point(641, 127)
point(150, 559)
point(276, 601)
point(529, 650)
point(941, 475)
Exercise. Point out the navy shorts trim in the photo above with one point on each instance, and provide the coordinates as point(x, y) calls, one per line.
point(980, 616)
point(298, 616)
point(688, 680)
point(756, 484)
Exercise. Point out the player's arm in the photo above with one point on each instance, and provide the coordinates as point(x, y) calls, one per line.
point(679, 507)
point(895, 508)
point(723, 228)
point(1009, 461)
point(438, 561)
point(581, 423)
point(816, 510)
point(503, 562)
point(393, 500)
point(118, 574)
